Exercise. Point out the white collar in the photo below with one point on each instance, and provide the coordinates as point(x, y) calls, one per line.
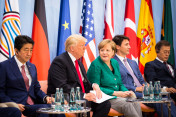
point(18, 62)
point(121, 58)
point(72, 57)
point(160, 60)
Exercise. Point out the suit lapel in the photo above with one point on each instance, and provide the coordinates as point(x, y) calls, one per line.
point(162, 65)
point(72, 67)
point(132, 67)
point(121, 65)
point(30, 72)
point(106, 66)
point(15, 69)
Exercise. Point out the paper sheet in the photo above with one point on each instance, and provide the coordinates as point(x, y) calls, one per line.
point(104, 97)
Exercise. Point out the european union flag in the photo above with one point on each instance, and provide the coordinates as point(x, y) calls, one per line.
point(64, 26)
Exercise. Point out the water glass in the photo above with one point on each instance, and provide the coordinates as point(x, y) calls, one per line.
point(66, 102)
point(53, 101)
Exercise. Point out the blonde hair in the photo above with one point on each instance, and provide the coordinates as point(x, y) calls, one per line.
point(105, 42)
point(73, 40)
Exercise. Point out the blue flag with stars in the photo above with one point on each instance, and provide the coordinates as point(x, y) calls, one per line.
point(64, 26)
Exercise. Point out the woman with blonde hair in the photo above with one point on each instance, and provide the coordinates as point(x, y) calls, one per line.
point(104, 71)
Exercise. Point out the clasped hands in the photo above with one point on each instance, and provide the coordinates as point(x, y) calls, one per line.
point(124, 94)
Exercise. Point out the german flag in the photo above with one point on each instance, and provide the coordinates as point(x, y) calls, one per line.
point(40, 56)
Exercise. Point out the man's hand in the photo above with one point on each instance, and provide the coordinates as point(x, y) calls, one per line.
point(90, 97)
point(139, 89)
point(98, 91)
point(21, 107)
point(48, 100)
point(171, 90)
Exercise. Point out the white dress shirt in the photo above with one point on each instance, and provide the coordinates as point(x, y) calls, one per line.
point(26, 69)
point(73, 60)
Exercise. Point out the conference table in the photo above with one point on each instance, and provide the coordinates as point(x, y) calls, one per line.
point(162, 101)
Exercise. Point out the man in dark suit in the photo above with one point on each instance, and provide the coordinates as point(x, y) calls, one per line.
point(130, 73)
point(160, 70)
point(66, 71)
point(19, 79)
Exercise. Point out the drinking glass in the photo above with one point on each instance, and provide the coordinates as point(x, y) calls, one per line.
point(53, 101)
point(57, 101)
point(66, 102)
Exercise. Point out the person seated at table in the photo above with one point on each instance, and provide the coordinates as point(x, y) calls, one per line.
point(67, 72)
point(131, 75)
point(105, 72)
point(19, 79)
point(160, 70)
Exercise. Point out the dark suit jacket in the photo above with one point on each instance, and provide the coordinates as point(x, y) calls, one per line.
point(156, 70)
point(62, 73)
point(12, 86)
point(127, 79)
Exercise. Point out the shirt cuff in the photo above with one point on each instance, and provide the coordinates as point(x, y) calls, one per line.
point(44, 99)
point(84, 96)
point(164, 89)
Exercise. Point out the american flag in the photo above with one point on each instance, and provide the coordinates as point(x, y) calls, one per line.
point(87, 31)
point(10, 29)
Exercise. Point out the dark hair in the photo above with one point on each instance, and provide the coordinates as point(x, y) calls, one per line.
point(119, 38)
point(160, 44)
point(20, 40)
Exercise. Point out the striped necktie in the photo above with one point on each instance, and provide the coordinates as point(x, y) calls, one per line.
point(26, 81)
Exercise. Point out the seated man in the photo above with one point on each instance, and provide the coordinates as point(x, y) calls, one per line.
point(160, 70)
point(66, 71)
point(19, 79)
point(131, 75)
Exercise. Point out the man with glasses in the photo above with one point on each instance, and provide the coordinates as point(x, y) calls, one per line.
point(161, 70)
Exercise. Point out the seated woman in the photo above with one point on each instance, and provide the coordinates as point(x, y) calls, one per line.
point(105, 72)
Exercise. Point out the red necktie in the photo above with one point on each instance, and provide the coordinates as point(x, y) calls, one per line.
point(26, 81)
point(79, 75)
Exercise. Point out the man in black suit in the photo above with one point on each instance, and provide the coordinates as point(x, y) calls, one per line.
point(160, 70)
point(63, 73)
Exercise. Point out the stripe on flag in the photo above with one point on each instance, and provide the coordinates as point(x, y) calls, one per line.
point(109, 20)
point(87, 30)
point(146, 34)
point(41, 55)
point(10, 29)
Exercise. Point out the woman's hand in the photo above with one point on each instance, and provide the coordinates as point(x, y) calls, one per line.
point(98, 91)
point(122, 94)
